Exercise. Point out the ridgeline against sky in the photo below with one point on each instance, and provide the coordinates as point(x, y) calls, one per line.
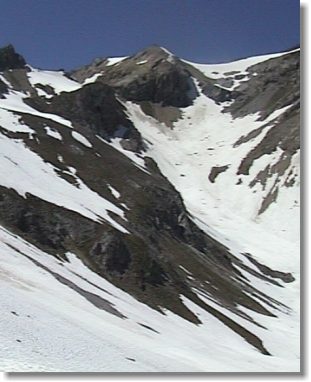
point(68, 34)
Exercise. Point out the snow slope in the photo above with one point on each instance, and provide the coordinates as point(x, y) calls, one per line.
point(84, 323)
point(205, 138)
point(228, 209)
point(216, 71)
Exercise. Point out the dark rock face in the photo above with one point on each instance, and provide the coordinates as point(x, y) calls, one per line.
point(40, 228)
point(9, 59)
point(163, 211)
point(217, 93)
point(153, 274)
point(95, 108)
point(166, 86)
point(3, 88)
point(111, 254)
point(151, 75)
point(211, 88)
point(46, 225)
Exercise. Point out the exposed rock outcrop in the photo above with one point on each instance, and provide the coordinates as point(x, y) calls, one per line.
point(272, 84)
point(9, 59)
point(152, 75)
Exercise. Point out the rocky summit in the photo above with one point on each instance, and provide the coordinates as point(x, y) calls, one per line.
point(149, 214)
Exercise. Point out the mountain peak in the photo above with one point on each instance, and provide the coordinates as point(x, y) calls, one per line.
point(155, 51)
point(9, 59)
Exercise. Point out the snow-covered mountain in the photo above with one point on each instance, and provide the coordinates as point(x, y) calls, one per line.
point(149, 215)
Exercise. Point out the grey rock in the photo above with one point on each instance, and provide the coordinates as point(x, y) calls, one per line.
point(273, 84)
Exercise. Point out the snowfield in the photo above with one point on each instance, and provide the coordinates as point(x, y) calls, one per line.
point(205, 138)
point(46, 325)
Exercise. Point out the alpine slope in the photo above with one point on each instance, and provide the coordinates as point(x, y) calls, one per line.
point(149, 215)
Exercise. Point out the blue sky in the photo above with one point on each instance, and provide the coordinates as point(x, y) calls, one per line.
point(69, 33)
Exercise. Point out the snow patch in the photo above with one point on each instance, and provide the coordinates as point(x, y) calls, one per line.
point(11, 122)
point(80, 138)
point(91, 79)
point(114, 192)
point(115, 60)
point(170, 57)
point(141, 62)
point(53, 133)
point(56, 79)
point(14, 102)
